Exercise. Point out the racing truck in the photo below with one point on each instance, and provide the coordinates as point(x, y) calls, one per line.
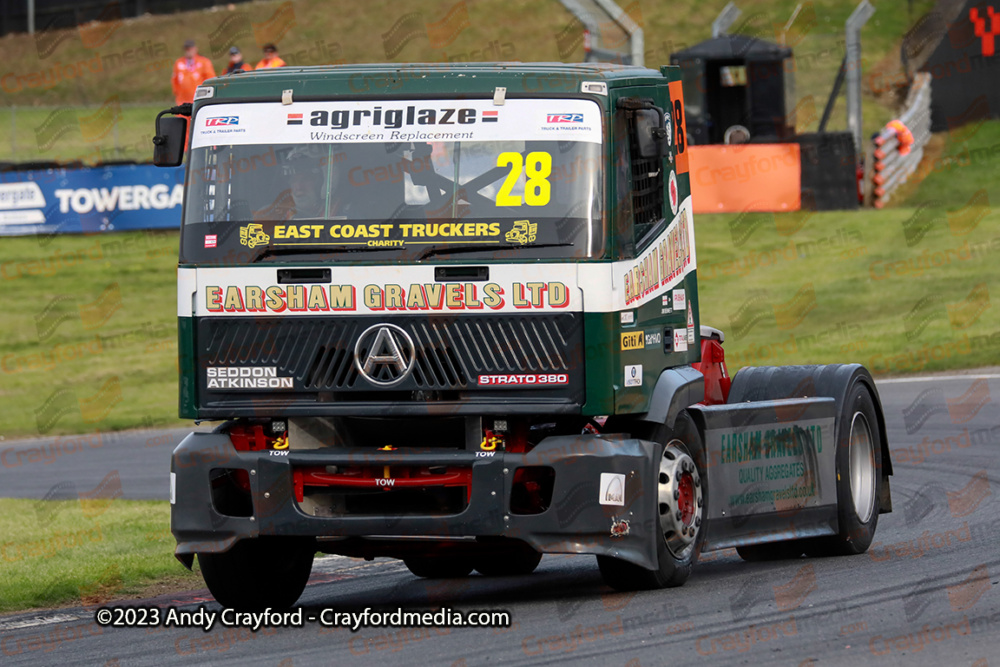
point(449, 314)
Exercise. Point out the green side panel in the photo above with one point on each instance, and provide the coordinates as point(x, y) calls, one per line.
point(655, 323)
point(607, 362)
point(186, 367)
point(600, 331)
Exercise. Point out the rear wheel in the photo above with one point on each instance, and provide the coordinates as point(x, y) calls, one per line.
point(259, 573)
point(438, 567)
point(859, 478)
point(680, 499)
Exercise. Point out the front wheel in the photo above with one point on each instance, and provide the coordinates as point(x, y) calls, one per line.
point(681, 496)
point(259, 573)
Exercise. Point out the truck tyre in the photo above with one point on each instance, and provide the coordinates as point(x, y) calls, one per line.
point(514, 560)
point(859, 478)
point(432, 567)
point(681, 497)
point(259, 573)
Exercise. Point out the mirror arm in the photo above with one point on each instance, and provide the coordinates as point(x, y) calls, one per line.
point(179, 110)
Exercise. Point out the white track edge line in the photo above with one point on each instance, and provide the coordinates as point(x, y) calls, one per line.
point(935, 378)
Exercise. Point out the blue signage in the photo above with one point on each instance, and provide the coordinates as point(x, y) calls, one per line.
point(90, 200)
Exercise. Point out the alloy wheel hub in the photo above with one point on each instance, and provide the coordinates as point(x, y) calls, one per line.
point(679, 499)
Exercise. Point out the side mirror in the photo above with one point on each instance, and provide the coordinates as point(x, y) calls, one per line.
point(168, 144)
point(650, 133)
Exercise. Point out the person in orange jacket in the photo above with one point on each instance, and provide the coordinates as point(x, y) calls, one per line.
point(189, 72)
point(236, 63)
point(271, 58)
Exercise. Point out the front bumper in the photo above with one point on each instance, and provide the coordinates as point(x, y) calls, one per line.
point(575, 522)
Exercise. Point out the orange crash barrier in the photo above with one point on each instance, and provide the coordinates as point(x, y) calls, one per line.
point(746, 177)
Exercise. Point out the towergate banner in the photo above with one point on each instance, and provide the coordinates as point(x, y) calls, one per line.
point(90, 200)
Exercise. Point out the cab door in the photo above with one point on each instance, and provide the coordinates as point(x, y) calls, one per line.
point(654, 242)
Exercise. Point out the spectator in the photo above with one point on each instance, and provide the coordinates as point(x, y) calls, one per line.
point(236, 63)
point(271, 58)
point(189, 72)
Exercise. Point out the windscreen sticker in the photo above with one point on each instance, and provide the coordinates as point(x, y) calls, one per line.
point(397, 121)
point(385, 234)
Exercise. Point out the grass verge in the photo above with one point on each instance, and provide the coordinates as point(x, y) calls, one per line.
point(26, 138)
point(89, 333)
point(58, 552)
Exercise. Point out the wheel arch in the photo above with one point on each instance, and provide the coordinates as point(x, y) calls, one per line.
point(676, 389)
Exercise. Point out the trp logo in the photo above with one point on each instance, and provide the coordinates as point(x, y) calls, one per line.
point(564, 118)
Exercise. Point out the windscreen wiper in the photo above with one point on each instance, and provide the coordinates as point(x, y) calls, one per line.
point(276, 252)
point(456, 249)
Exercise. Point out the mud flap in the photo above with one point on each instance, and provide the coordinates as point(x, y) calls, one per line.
point(194, 521)
point(771, 470)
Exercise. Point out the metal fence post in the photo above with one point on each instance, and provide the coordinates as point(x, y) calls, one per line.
point(852, 28)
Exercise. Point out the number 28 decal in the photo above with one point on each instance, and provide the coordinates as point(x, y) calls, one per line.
point(679, 127)
point(537, 166)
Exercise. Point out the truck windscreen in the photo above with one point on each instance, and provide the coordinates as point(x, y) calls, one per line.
point(396, 181)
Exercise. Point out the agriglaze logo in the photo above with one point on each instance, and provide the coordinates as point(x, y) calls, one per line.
point(393, 119)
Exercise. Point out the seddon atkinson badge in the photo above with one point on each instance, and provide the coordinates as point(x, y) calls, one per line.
point(453, 318)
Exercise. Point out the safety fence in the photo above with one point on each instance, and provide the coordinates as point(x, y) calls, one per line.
point(899, 147)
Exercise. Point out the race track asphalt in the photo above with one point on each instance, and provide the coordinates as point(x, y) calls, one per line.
point(925, 593)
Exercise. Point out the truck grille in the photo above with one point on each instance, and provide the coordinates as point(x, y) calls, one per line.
point(451, 351)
